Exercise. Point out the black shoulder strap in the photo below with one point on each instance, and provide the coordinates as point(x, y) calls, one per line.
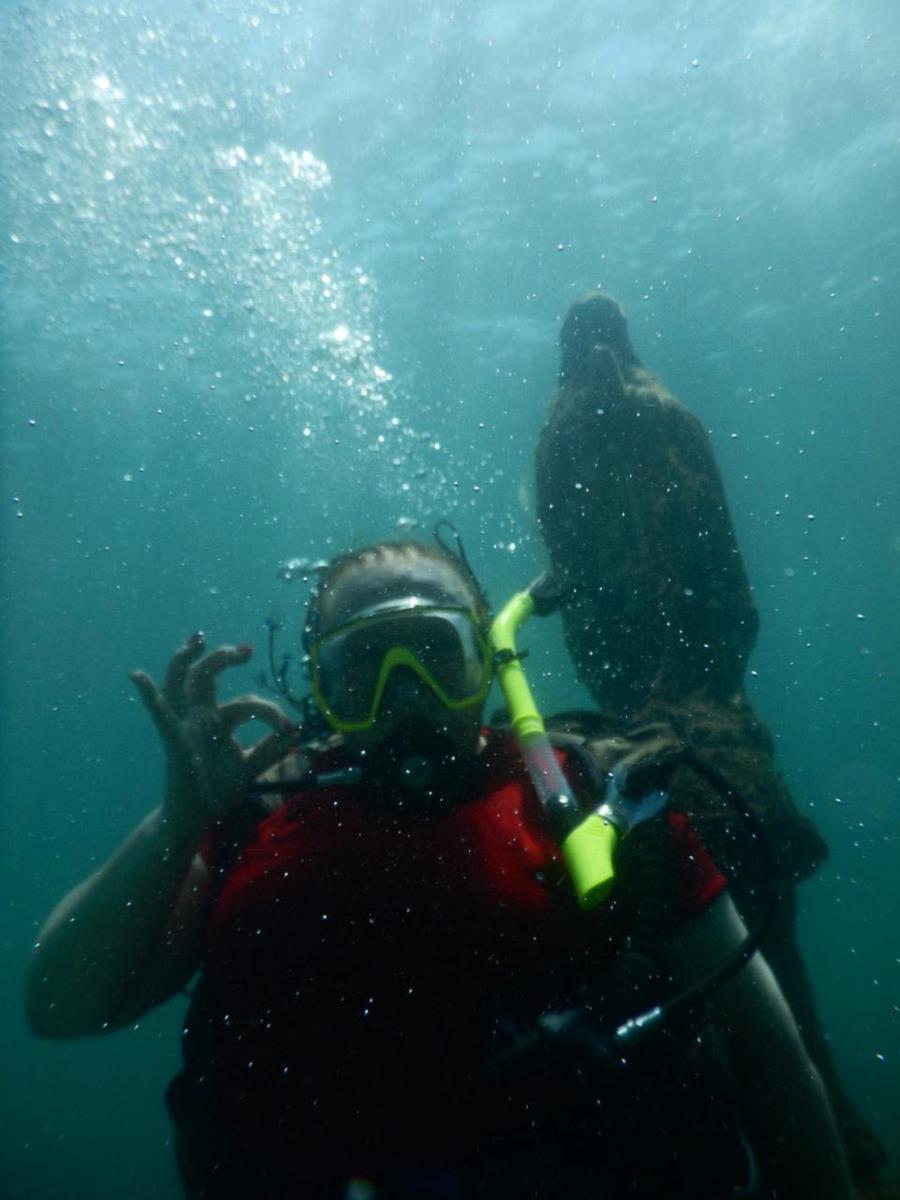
point(238, 824)
point(234, 832)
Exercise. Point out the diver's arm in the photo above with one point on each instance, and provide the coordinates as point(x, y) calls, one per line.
point(125, 939)
point(128, 937)
point(782, 1100)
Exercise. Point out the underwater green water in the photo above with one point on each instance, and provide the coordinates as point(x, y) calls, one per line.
point(277, 277)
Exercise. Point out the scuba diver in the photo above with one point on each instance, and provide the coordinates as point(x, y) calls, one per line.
point(420, 972)
point(659, 621)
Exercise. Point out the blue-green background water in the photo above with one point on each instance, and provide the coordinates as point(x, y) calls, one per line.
point(276, 276)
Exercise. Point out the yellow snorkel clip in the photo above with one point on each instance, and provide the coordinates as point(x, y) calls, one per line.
point(587, 843)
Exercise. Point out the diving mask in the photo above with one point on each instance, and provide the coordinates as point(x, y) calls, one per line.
point(442, 645)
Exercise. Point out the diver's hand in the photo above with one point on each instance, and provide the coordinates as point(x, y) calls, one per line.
point(207, 770)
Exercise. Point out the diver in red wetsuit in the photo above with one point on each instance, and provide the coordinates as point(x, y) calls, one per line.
point(399, 995)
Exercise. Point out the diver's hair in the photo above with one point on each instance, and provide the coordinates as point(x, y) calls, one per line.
point(395, 550)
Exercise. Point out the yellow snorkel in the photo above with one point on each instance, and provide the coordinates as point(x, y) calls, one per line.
point(587, 843)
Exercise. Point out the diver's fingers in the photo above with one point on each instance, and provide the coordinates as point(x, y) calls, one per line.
point(201, 681)
point(155, 704)
point(242, 709)
point(267, 752)
point(173, 684)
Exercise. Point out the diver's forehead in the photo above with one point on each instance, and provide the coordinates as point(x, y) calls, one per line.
point(366, 584)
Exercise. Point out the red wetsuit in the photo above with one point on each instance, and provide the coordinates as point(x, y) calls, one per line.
point(358, 961)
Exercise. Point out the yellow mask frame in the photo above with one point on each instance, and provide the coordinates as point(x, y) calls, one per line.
point(401, 656)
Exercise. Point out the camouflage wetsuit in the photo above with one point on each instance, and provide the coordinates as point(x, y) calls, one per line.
point(659, 622)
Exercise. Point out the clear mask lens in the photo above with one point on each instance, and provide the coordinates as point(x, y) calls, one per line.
point(442, 646)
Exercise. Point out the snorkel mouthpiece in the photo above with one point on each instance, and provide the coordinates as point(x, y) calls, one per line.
point(587, 843)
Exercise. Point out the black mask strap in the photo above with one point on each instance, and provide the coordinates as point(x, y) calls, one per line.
point(459, 551)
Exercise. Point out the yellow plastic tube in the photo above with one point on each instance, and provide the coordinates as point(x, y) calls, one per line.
point(587, 844)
